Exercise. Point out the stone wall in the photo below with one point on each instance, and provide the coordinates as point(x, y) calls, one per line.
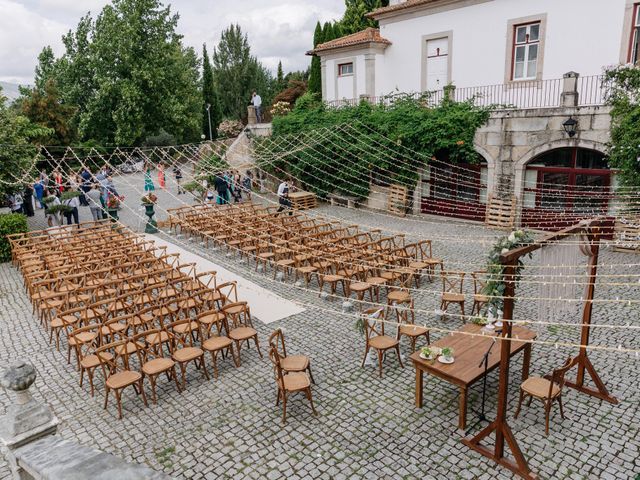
point(512, 138)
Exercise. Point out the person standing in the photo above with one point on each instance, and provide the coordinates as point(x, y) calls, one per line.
point(177, 173)
point(222, 188)
point(256, 100)
point(16, 203)
point(51, 217)
point(148, 182)
point(283, 198)
point(73, 203)
point(237, 187)
point(85, 177)
point(94, 199)
point(27, 204)
point(38, 189)
point(247, 184)
point(161, 178)
point(57, 180)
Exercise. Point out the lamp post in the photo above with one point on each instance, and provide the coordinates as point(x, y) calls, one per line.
point(209, 117)
point(570, 126)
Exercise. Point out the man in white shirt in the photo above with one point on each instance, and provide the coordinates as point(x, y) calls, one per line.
point(257, 104)
point(283, 197)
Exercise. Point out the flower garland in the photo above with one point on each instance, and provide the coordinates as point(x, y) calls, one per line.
point(495, 286)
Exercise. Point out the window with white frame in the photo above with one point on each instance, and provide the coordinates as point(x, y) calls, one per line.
point(526, 48)
point(345, 69)
point(634, 52)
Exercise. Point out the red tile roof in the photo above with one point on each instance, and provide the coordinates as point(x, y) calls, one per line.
point(368, 35)
point(399, 7)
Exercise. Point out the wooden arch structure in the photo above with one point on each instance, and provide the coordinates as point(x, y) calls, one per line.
point(590, 231)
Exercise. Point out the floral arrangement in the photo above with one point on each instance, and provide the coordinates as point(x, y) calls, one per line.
point(230, 128)
point(280, 109)
point(495, 285)
point(149, 199)
point(114, 201)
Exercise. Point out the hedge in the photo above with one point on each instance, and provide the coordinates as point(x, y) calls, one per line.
point(10, 223)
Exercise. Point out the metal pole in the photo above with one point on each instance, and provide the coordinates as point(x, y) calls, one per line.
point(209, 117)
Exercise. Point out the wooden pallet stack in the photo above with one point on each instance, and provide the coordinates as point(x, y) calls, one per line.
point(397, 199)
point(626, 234)
point(500, 213)
point(303, 200)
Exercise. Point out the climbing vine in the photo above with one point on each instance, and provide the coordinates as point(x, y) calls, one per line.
point(334, 162)
point(495, 286)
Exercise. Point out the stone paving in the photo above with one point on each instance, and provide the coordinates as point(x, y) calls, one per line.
point(367, 427)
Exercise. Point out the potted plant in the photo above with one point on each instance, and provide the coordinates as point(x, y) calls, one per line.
point(149, 200)
point(427, 353)
point(113, 204)
point(479, 320)
point(446, 355)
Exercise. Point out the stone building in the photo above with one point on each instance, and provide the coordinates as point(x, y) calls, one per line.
point(544, 150)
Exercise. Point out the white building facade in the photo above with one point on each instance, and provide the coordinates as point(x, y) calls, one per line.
point(423, 45)
point(538, 63)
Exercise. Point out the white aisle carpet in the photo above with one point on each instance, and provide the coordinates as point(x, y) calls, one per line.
point(265, 305)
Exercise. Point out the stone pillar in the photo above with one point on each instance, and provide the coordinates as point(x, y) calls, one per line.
point(370, 74)
point(26, 420)
point(323, 78)
point(450, 92)
point(569, 95)
point(251, 115)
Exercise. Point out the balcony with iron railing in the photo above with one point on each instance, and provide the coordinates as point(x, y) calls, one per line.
point(569, 91)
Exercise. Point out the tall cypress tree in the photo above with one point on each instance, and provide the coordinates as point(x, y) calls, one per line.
point(280, 85)
point(315, 75)
point(209, 97)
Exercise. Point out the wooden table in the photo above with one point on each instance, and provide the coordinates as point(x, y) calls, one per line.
point(468, 353)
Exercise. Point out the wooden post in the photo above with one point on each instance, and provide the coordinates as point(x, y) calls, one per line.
point(500, 425)
point(582, 359)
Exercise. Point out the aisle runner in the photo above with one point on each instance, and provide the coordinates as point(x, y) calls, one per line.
point(265, 305)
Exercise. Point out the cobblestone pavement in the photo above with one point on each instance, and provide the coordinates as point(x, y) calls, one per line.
point(367, 427)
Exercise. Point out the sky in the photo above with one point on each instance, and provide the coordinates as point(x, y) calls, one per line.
point(277, 29)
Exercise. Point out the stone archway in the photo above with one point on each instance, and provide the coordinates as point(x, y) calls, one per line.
point(563, 185)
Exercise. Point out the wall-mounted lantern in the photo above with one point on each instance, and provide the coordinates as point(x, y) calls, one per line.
point(570, 126)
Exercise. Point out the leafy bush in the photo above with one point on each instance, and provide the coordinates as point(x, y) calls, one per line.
point(10, 223)
point(230, 128)
point(624, 83)
point(397, 137)
point(280, 108)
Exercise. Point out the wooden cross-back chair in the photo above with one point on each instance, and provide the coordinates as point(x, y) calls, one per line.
point(452, 285)
point(183, 349)
point(289, 363)
point(152, 361)
point(238, 317)
point(546, 390)
point(114, 361)
point(479, 284)
point(374, 329)
point(217, 341)
point(290, 383)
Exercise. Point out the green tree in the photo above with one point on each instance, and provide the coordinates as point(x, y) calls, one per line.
point(128, 75)
point(45, 68)
point(17, 153)
point(354, 19)
point(233, 68)
point(315, 75)
point(44, 107)
point(237, 73)
point(209, 97)
point(280, 83)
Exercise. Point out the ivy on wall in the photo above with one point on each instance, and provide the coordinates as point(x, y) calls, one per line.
point(334, 162)
point(623, 96)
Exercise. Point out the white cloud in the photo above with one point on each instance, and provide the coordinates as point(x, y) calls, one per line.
point(278, 30)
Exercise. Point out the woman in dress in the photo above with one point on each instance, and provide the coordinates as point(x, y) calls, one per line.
point(161, 175)
point(148, 182)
